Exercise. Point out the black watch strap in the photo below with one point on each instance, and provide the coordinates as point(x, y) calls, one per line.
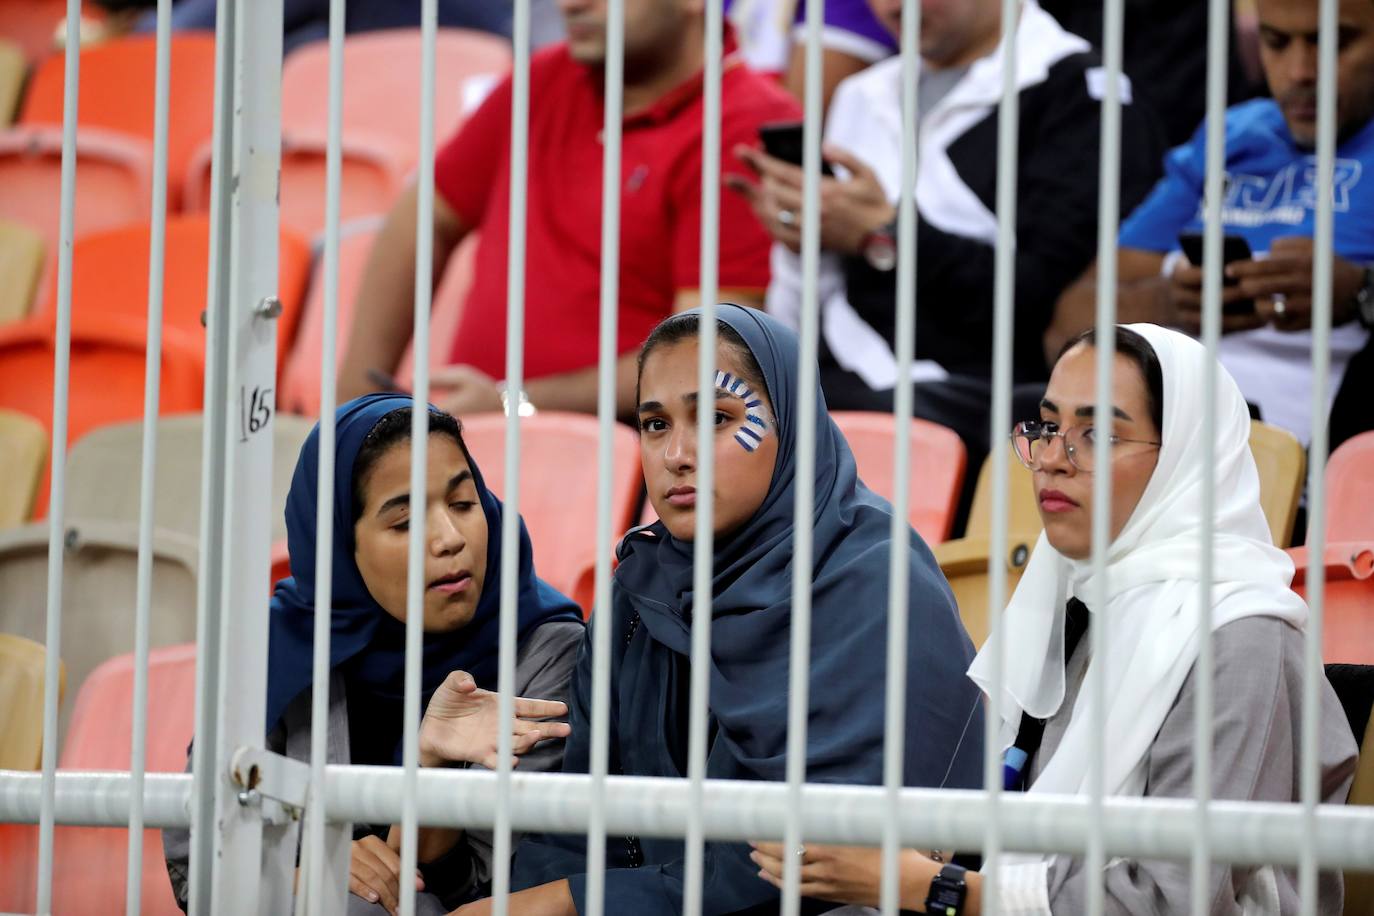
point(948, 890)
point(1364, 299)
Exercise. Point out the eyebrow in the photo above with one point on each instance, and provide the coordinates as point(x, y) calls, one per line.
point(1085, 412)
point(403, 499)
point(689, 398)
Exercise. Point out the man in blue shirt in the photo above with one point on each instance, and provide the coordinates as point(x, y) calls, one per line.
point(1269, 201)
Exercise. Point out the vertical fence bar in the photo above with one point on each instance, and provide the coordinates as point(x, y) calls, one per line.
point(1218, 29)
point(606, 416)
point(515, 383)
point(419, 456)
point(152, 383)
point(214, 462)
point(1108, 218)
point(1004, 289)
point(57, 493)
point(253, 868)
point(703, 538)
point(1323, 244)
point(314, 844)
point(904, 395)
point(798, 699)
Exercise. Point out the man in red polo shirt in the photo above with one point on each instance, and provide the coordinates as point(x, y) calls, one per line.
point(660, 214)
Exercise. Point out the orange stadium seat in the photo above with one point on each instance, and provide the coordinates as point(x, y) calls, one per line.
point(110, 275)
point(1348, 596)
point(558, 492)
point(90, 863)
point(32, 25)
point(116, 94)
point(937, 466)
point(381, 118)
point(113, 186)
point(300, 374)
point(106, 382)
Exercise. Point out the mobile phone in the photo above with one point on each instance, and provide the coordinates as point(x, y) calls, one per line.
point(1233, 248)
point(783, 140)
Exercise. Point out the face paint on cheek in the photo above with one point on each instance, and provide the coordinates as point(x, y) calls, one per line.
point(755, 427)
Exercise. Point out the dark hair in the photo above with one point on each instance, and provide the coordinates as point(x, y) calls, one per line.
point(686, 326)
point(1138, 349)
point(390, 430)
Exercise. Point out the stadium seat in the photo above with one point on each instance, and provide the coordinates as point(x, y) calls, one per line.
point(1359, 886)
point(90, 863)
point(558, 484)
point(110, 275)
point(12, 67)
point(32, 25)
point(114, 187)
point(23, 456)
point(965, 561)
point(381, 118)
point(116, 93)
point(21, 264)
point(300, 376)
point(106, 381)
point(937, 466)
point(1350, 490)
point(22, 676)
point(1282, 463)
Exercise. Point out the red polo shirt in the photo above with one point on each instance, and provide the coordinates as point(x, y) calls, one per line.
point(660, 210)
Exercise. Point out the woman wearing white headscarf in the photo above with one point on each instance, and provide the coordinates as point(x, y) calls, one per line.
point(1151, 614)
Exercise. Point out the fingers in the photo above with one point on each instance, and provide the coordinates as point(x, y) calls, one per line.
point(1282, 284)
point(749, 190)
point(371, 877)
point(1244, 270)
point(840, 156)
point(460, 681)
point(767, 167)
point(527, 708)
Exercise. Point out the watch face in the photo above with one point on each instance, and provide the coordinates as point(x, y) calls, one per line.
point(881, 252)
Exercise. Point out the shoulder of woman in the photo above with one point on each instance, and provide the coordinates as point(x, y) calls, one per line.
point(555, 638)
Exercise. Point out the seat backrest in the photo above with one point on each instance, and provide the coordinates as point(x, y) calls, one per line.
point(22, 663)
point(99, 578)
point(1023, 518)
point(114, 187)
point(558, 484)
point(1281, 461)
point(106, 381)
point(21, 264)
point(1359, 886)
point(446, 311)
point(12, 67)
point(110, 274)
point(381, 100)
point(32, 25)
point(116, 93)
point(1350, 490)
point(23, 456)
point(104, 469)
point(937, 466)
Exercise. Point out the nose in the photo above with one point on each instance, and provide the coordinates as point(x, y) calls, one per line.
point(679, 453)
point(1300, 62)
point(1054, 458)
point(445, 539)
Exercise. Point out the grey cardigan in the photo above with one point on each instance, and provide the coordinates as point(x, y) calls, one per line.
point(543, 670)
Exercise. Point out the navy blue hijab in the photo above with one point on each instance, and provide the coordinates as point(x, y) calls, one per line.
point(751, 612)
point(364, 639)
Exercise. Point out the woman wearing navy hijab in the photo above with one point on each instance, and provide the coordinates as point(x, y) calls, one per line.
point(367, 642)
point(756, 417)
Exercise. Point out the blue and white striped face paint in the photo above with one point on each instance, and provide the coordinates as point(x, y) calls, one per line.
point(750, 434)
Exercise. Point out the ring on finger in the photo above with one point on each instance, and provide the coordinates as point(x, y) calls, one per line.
point(801, 853)
point(1280, 304)
point(787, 218)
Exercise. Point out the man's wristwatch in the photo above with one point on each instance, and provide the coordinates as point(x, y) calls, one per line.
point(1364, 299)
point(947, 892)
point(879, 248)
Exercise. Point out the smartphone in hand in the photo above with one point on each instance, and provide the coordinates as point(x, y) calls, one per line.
point(783, 141)
point(1233, 248)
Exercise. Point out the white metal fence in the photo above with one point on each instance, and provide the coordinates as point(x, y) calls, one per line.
point(242, 800)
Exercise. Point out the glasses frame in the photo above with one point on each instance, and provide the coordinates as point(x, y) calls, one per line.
point(1048, 431)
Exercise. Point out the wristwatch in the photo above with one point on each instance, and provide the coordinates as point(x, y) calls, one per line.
point(947, 892)
point(879, 248)
point(523, 406)
point(1364, 299)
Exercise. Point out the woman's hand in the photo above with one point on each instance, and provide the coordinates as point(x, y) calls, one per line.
point(374, 873)
point(460, 724)
point(851, 874)
point(554, 899)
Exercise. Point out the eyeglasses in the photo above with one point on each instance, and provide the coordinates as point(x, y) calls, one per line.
point(1030, 439)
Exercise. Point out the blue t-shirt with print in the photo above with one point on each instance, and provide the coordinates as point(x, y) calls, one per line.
point(1270, 188)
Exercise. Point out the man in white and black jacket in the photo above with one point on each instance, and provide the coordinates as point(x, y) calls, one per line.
point(1061, 84)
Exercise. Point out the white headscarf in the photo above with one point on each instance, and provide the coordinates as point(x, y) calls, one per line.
point(1153, 574)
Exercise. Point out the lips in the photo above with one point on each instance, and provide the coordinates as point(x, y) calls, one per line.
point(452, 583)
point(1055, 501)
point(682, 497)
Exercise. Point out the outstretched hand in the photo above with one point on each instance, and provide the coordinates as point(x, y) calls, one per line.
point(462, 720)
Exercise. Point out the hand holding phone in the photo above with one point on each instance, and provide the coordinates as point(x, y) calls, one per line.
point(1233, 248)
point(784, 141)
